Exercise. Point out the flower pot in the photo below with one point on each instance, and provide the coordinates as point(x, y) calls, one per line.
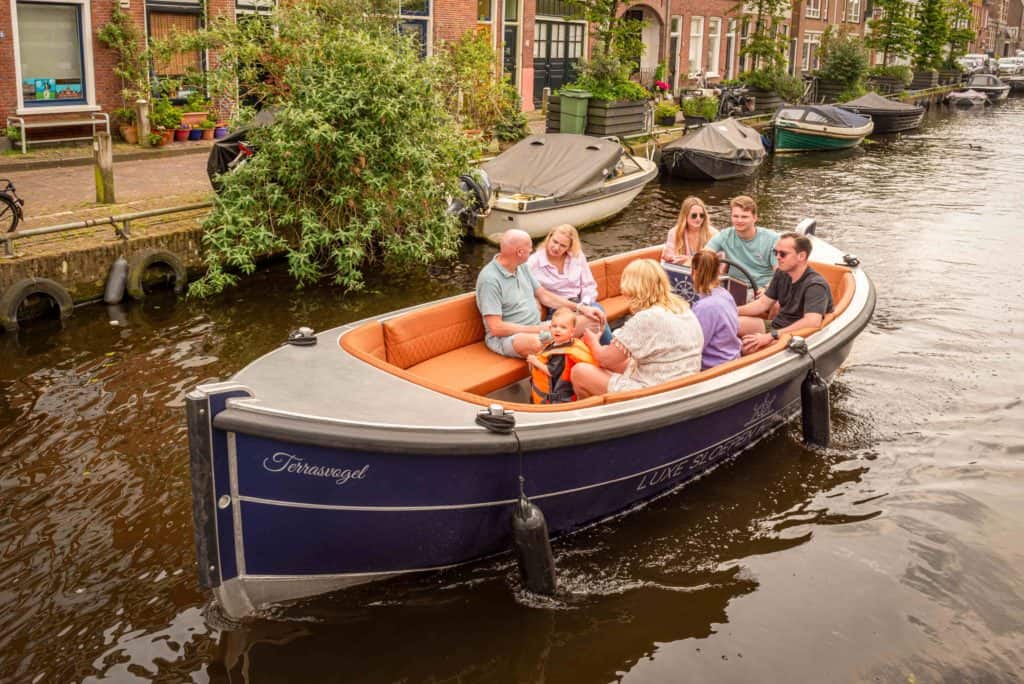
point(667, 120)
point(181, 134)
point(194, 118)
point(208, 134)
point(130, 134)
point(195, 134)
point(166, 136)
point(220, 132)
point(692, 121)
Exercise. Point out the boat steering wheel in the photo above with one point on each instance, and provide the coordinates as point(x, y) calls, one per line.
point(741, 269)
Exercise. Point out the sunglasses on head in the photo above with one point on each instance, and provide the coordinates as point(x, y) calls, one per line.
point(696, 215)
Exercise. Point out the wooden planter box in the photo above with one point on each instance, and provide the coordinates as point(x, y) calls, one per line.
point(603, 117)
point(828, 91)
point(925, 79)
point(951, 76)
point(615, 118)
point(886, 85)
point(765, 101)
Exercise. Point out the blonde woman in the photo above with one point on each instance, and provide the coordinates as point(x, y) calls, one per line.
point(691, 232)
point(660, 342)
point(560, 266)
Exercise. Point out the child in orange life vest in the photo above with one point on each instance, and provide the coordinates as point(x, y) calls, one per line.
point(551, 368)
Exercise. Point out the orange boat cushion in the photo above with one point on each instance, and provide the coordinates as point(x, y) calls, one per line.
point(473, 368)
point(426, 333)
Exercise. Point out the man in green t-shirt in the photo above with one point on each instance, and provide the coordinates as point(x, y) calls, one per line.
point(747, 244)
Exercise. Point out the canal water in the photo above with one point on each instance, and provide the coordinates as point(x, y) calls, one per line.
point(895, 555)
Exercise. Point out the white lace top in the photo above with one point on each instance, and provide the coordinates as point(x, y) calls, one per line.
point(661, 345)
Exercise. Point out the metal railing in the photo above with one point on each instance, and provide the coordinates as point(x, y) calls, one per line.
point(121, 224)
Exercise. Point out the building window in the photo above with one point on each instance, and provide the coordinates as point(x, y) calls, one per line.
point(558, 8)
point(483, 11)
point(50, 52)
point(853, 11)
point(744, 39)
point(714, 43)
point(696, 43)
point(246, 7)
point(675, 42)
point(730, 50)
point(812, 9)
point(414, 21)
point(812, 43)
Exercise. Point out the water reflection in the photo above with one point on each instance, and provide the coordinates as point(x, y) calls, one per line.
point(890, 554)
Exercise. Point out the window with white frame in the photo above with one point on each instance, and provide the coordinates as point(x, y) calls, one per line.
point(812, 9)
point(696, 43)
point(51, 54)
point(730, 49)
point(714, 44)
point(853, 11)
point(744, 39)
point(812, 44)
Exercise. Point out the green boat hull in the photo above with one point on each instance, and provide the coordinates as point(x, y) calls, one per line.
point(790, 140)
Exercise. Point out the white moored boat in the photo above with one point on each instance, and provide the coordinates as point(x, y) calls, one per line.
point(547, 180)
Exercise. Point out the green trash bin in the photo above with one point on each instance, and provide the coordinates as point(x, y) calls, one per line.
point(573, 111)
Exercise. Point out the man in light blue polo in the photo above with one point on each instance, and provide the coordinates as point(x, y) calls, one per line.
point(507, 296)
point(747, 244)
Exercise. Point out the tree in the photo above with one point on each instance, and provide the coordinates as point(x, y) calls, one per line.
point(932, 30)
point(616, 35)
point(894, 32)
point(360, 161)
point(960, 33)
point(766, 46)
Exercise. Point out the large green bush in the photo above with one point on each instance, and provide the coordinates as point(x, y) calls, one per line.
point(606, 77)
point(358, 165)
point(843, 59)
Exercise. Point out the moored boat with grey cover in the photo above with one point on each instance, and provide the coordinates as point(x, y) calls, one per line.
point(717, 151)
point(889, 116)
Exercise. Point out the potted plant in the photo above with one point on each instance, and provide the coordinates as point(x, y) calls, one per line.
point(931, 35)
point(958, 37)
point(207, 126)
point(665, 113)
point(617, 105)
point(196, 131)
point(121, 35)
point(181, 132)
point(197, 109)
point(700, 109)
point(889, 79)
point(157, 139)
point(124, 119)
point(220, 130)
point(844, 63)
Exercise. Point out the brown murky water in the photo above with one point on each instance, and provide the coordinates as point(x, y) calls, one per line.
point(893, 556)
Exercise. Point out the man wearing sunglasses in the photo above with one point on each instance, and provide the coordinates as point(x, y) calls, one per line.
point(803, 295)
point(746, 243)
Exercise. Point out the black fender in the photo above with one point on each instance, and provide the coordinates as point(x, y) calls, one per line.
point(140, 261)
point(14, 295)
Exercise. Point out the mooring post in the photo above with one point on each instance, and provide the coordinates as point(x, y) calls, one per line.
point(142, 118)
point(103, 152)
point(545, 95)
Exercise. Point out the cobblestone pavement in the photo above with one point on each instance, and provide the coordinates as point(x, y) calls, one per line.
point(63, 194)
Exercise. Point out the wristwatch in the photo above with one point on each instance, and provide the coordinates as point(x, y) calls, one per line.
point(774, 333)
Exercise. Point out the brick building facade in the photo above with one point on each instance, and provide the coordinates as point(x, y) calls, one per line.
point(52, 62)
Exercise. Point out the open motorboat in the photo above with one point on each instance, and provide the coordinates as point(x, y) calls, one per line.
point(545, 180)
point(806, 128)
point(719, 150)
point(889, 116)
point(363, 452)
point(990, 85)
point(967, 98)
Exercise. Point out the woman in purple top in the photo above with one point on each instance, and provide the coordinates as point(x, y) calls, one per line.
point(559, 266)
point(716, 312)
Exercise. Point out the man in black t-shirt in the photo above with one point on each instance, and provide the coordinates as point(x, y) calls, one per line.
point(803, 295)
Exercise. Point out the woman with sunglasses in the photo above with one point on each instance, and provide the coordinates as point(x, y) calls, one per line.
point(691, 232)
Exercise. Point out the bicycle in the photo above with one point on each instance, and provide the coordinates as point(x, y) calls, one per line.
point(10, 207)
point(733, 101)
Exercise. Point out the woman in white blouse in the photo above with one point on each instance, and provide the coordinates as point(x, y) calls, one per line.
point(662, 341)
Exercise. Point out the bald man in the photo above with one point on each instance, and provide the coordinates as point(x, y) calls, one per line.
point(507, 296)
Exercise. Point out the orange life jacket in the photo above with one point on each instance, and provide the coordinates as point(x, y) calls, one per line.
point(560, 359)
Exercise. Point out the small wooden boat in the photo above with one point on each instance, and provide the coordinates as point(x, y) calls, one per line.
point(546, 180)
point(990, 85)
point(889, 116)
point(967, 98)
point(362, 452)
point(807, 128)
point(1016, 83)
point(717, 151)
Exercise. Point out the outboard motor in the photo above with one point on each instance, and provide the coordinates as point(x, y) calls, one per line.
point(476, 186)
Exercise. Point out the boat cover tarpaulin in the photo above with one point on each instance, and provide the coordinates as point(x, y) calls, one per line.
point(558, 165)
point(834, 115)
point(726, 139)
point(875, 102)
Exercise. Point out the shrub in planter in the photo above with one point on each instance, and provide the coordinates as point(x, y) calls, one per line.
point(156, 139)
point(164, 114)
point(665, 113)
point(208, 125)
point(844, 63)
point(703, 106)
